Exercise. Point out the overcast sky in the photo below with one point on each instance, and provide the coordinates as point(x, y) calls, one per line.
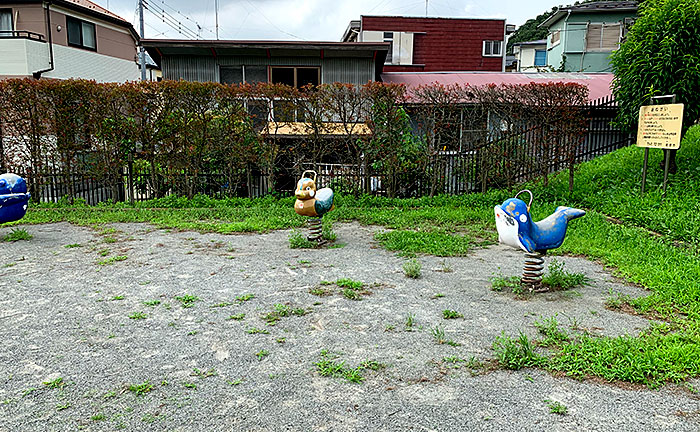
point(309, 20)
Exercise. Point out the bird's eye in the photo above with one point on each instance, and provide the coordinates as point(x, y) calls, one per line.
point(308, 187)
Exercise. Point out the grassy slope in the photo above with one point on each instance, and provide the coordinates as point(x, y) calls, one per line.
point(667, 264)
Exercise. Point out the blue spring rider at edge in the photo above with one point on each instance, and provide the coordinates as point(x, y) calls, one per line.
point(517, 229)
point(13, 198)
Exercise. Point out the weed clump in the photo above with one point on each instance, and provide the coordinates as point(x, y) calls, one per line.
point(17, 235)
point(516, 353)
point(557, 278)
point(412, 268)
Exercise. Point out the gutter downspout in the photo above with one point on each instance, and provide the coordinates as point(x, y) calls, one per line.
point(37, 74)
point(563, 42)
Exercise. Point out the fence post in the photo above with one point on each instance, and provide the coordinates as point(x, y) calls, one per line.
point(130, 177)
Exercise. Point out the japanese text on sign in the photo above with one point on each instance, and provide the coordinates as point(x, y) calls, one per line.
point(660, 126)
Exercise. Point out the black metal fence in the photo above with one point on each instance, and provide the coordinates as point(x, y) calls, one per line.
point(501, 158)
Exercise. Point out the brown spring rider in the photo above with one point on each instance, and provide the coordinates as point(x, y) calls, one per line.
point(313, 204)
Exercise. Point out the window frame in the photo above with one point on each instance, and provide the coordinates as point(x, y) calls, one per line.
point(491, 43)
point(296, 80)
point(544, 51)
point(601, 48)
point(12, 20)
point(551, 40)
point(390, 54)
point(82, 39)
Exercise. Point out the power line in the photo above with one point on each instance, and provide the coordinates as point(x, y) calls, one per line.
point(170, 20)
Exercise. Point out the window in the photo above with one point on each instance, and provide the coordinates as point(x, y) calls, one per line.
point(242, 74)
point(556, 37)
point(492, 48)
point(603, 37)
point(6, 22)
point(296, 76)
point(389, 37)
point(540, 57)
point(81, 34)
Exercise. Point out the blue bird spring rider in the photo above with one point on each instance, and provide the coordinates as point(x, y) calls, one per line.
point(13, 198)
point(517, 229)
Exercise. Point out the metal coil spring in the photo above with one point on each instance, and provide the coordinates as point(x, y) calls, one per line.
point(315, 229)
point(532, 273)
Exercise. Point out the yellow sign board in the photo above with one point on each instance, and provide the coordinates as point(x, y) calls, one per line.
point(660, 126)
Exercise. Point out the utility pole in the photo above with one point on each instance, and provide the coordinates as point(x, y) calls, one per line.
point(142, 53)
point(426, 8)
point(216, 9)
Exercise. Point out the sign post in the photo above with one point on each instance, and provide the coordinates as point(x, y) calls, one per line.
point(659, 127)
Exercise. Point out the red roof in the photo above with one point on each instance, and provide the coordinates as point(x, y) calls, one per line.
point(598, 83)
point(97, 8)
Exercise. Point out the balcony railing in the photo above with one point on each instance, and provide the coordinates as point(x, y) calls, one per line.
point(21, 34)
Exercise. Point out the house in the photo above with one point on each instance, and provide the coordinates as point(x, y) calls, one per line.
point(287, 62)
point(531, 56)
point(66, 39)
point(582, 37)
point(435, 44)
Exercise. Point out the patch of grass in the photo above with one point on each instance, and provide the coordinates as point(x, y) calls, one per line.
point(63, 406)
point(437, 242)
point(118, 297)
point(410, 321)
point(237, 317)
point(56, 383)
point(320, 291)
point(204, 374)
point(557, 278)
point(412, 268)
point(349, 283)
point(458, 362)
point(351, 294)
point(187, 300)
point(244, 298)
point(437, 296)
point(220, 305)
point(189, 385)
point(98, 417)
point(72, 245)
point(140, 389)
point(262, 354)
point(112, 260)
point(297, 240)
point(445, 267)
point(327, 232)
point(500, 282)
point(152, 303)
point(254, 330)
point(516, 353)
point(138, 316)
point(439, 334)
point(17, 234)
point(615, 301)
point(328, 366)
point(556, 407)
point(236, 382)
point(451, 314)
point(553, 335)
point(29, 391)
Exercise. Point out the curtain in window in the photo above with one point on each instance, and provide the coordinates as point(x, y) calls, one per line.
point(89, 35)
point(6, 21)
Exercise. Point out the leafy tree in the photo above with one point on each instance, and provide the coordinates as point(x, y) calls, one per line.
point(661, 55)
point(530, 30)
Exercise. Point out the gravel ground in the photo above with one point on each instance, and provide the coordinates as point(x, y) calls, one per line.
point(65, 315)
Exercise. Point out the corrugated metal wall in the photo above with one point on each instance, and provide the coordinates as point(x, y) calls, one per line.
point(347, 70)
point(190, 68)
point(200, 68)
point(272, 61)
